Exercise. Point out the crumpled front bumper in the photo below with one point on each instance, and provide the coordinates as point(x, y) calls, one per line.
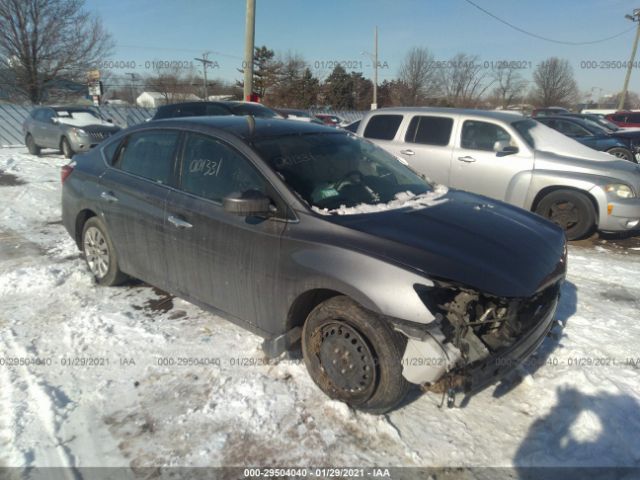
point(436, 365)
point(495, 367)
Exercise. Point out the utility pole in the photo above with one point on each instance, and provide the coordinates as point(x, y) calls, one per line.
point(205, 62)
point(634, 18)
point(374, 105)
point(133, 77)
point(249, 34)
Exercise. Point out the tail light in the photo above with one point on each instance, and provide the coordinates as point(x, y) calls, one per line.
point(66, 171)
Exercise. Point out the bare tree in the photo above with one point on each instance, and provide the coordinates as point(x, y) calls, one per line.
point(43, 42)
point(554, 83)
point(463, 81)
point(509, 86)
point(418, 77)
point(175, 84)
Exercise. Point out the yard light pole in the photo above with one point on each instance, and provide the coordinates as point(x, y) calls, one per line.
point(635, 17)
point(205, 62)
point(374, 105)
point(133, 77)
point(374, 57)
point(249, 34)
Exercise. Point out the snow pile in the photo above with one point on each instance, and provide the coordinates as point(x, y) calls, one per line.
point(402, 200)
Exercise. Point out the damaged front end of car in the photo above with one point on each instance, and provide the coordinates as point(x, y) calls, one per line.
point(476, 338)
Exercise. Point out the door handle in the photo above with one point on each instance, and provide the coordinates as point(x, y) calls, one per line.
point(408, 151)
point(467, 159)
point(109, 197)
point(178, 222)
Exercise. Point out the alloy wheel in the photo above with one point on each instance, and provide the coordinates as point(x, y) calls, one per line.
point(96, 252)
point(564, 214)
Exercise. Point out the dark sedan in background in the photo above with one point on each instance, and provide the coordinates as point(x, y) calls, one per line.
point(309, 235)
point(199, 109)
point(622, 144)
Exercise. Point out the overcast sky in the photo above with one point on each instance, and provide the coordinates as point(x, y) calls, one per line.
point(340, 30)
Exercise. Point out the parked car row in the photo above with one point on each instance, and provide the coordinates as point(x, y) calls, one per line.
point(308, 235)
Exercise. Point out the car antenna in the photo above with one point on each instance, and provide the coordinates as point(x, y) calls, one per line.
point(252, 124)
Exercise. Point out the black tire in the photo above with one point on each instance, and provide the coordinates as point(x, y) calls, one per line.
point(622, 154)
point(571, 210)
point(31, 145)
point(368, 349)
point(112, 274)
point(65, 148)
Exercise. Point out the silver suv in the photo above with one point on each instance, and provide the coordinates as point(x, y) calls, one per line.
point(68, 129)
point(515, 159)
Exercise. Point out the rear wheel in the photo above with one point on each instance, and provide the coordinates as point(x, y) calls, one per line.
point(622, 154)
point(65, 148)
point(99, 253)
point(571, 210)
point(31, 145)
point(353, 355)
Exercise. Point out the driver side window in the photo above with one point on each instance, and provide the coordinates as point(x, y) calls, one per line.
point(212, 169)
point(483, 136)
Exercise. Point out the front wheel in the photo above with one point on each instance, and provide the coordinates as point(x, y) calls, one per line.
point(353, 355)
point(31, 145)
point(571, 210)
point(622, 154)
point(99, 253)
point(65, 148)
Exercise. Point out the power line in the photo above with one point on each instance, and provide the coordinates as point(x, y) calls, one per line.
point(540, 37)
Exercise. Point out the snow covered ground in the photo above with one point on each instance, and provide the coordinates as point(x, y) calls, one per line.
point(131, 377)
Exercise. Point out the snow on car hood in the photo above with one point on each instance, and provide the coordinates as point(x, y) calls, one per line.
point(402, 200)
point(82, 119)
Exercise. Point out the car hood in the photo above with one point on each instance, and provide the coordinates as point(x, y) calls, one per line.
point(96, 125)
point(604, 165)
point(468, 239)
point(630, 134)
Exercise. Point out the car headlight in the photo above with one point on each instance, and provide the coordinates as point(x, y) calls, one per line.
point(78, 131)
point(620, 189)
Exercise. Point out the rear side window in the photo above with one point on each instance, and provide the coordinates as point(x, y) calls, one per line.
point(429, 130)
point(383, 127)
point(633, 118)
point(149, 154)
point(212, 169)
point(482, 135)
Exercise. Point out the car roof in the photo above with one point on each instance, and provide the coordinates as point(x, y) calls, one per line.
point(492, 114)
point(188, 104)
point(245, 127)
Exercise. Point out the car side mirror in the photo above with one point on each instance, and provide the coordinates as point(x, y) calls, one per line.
point(503, 148)
point(110, 120)
point(54, 120)
point(249, 203)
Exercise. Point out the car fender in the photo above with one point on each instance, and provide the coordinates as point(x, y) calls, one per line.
point(377, 285)
point(557, 179)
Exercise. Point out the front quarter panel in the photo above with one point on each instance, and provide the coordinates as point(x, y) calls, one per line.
point(320, 263)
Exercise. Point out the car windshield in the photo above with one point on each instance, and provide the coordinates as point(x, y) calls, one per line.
point(540, 137)
point(338, 170)
point(603, 122)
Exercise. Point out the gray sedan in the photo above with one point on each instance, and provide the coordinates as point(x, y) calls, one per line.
point(68, 129)
point(308, 235)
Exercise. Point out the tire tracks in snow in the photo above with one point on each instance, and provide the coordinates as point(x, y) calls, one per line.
point(37, 400)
